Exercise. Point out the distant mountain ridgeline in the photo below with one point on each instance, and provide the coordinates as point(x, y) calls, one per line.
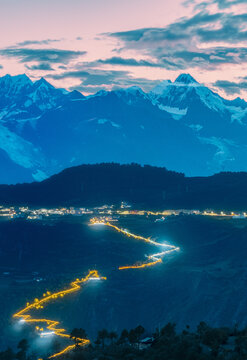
point(142, 186)
point(182, 125)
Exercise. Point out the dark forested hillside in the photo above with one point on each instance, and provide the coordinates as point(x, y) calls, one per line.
point(142, 186)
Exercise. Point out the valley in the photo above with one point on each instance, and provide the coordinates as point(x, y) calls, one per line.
point(123, 173)
point(205, 247)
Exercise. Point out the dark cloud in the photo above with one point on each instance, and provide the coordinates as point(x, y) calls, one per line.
point(37, 42)
point(132, 35)
point(94, 80)
point(200, 28)
point(127, 62)
point(231, 30)
point(40, 66)
point(93, 77)
point(62, 67)
point(178, 45)
point(163, 62)
point(223, 4)
point(1, 66)
point(179, 30)
point(76, 74)
point(230, 87)
point(41, 55)
point(121, 61)
point(206, 59)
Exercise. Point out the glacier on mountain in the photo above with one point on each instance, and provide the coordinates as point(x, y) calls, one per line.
point(182, 125)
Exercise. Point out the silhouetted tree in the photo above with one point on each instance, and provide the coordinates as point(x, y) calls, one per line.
point(23, 347)
point(201, 329)
point(132, 337)
point(139, 330)
point(212, 337)
point(97, 342)
point(7, 354)
point(123, 338)
point(112, 335)
point(168, 330)
point(102, 336)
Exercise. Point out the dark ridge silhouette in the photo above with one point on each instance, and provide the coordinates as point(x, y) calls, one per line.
point(142, 186)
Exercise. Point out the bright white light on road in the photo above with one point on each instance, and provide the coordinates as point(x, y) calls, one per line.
point(47, 333)
point(94, 278)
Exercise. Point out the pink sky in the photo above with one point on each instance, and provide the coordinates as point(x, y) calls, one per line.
point(65, 21)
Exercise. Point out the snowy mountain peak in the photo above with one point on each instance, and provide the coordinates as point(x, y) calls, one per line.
point(44, 83)
point(133, 90)
point(21, 80)
point(99, 93)
point(161, 87)
point(75, 95)
point(166, 85)
point(131, 94)
point(208, 131)
point(185, 92)
point(14, 86)
point(185, 79)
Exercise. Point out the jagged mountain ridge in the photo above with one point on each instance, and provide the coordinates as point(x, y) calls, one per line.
point(181, 125)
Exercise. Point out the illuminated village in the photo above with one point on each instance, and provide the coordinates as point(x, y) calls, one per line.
point(105, 216)
point(108, 210)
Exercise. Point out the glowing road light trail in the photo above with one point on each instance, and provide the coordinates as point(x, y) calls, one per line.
point(126, 232)
point(163, 253)
point(141, 266)
point(155, 258)
point(67, 349)
point(51, 325)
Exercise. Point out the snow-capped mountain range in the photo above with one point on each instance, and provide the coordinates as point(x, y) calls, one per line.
point(181, 125)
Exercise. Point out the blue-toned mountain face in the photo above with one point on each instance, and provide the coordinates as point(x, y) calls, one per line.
point(183, 126)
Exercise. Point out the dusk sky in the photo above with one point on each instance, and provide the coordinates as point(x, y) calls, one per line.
point(105, 44)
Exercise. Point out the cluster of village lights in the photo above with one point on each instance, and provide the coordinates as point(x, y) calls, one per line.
point(52, 326)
